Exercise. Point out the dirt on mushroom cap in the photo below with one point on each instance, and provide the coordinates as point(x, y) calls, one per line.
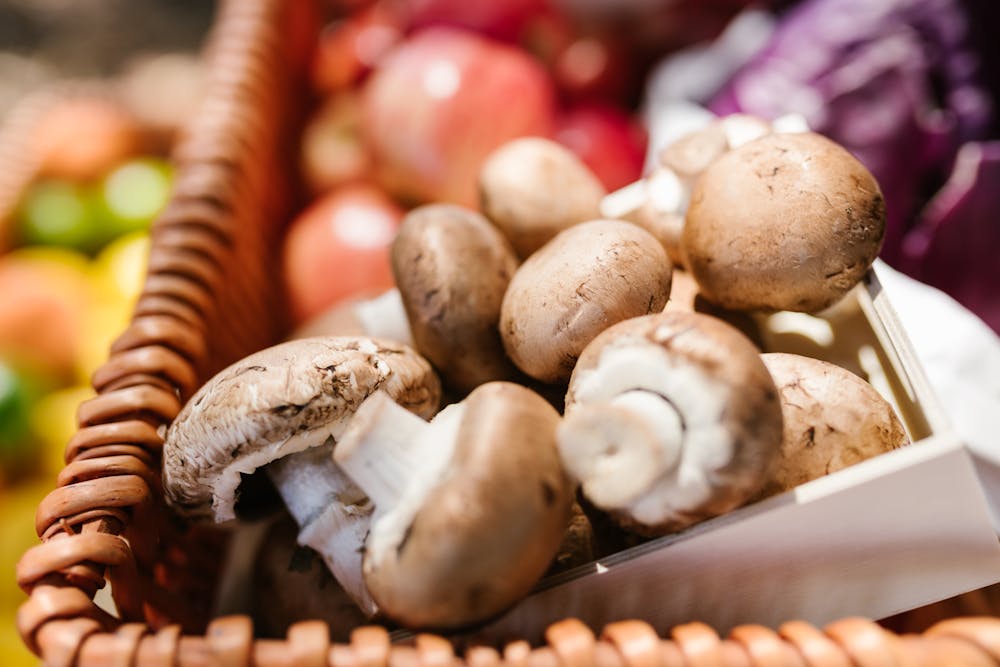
point(785, 222)
point(586, 279)
point(452, 268)
point(832, 419)
point(248, 413)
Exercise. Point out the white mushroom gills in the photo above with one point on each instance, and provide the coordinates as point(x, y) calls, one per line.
point(385, 317)
point(397, 459)
point(333, 514)
point(620, 447)
point(643, 433)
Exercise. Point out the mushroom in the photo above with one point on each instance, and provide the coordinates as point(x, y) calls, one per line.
point(470, 508)
point(659, 201)
point(656, 203)
point(283, 409)
point(685, 296)
point(452, 268)
point(291, 584)
point(690, 155)
point(579, 543)
point(375, 316)
point(581, 282)
point(533, 188)
point(785, 222)
point(671, 419)
point(832, 419)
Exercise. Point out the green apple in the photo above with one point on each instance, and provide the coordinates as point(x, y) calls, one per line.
point(133, 194)
point(61, 213)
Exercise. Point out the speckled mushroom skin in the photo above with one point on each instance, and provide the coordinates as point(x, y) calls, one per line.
point(490, 528)
point(752, 415)
point(832, 420)
point(246, 416)
point(785, 222)
point(452, 268)
point(586, 279)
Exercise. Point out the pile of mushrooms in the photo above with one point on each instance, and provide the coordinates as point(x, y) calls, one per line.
point(587, 348)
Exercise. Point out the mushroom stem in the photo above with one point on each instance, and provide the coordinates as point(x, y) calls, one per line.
point(396, 458)
point(618, 448)
point(385, 317)
point(333, 514)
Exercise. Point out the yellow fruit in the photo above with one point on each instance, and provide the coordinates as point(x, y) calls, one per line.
point(105, 321)
point(120, 268)
point(117, 276)
point(45, 298)
point(17, 535)
point(53, 420)
point(13, 652)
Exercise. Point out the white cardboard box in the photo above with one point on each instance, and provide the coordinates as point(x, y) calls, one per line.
point(892, 533)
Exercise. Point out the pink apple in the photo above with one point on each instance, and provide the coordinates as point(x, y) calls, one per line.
point(333, 151)
point(503, 19)
point(349, 48)
point(339, 246)
point(597, 66)
point(607, 139)
point(441, 102)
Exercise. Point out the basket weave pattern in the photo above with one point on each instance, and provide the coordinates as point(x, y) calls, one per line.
point(210, 298)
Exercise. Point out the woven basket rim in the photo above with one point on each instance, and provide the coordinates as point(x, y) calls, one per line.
point(88, 521)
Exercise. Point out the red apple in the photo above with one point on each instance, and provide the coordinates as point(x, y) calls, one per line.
point(339, 246)
point(503, 19)
point(333, 150)
point(349, 48)
point(441, 102)
point(607, 139)
point(81, 138)
point(595, 66)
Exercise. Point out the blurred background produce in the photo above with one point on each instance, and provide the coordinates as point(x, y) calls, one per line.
point(410, 97)
point(73, 248)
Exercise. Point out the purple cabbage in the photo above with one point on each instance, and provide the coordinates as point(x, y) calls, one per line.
point(902, 85)
point(956, 240)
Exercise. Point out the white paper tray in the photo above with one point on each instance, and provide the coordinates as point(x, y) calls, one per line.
point(893, 533)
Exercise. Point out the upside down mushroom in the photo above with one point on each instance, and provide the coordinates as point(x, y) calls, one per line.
point(671, 419)
point(470, 508)
point(284, 409)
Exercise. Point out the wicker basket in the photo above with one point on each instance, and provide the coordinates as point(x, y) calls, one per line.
point(210, 297)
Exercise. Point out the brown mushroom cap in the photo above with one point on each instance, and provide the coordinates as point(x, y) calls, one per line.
point(785, 222)
point(690, 155)
point(278, 401)
point(727, 414)
point(533, 188)
point(832, 419)
point(452, 268)
point(586, 279)
point(490, 527)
